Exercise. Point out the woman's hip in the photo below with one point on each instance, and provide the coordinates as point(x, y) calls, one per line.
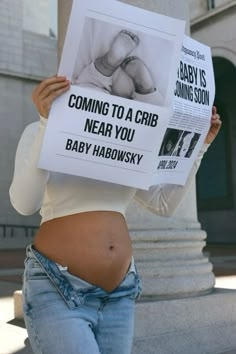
point(46, 281)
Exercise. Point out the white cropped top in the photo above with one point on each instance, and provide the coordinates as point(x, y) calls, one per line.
point(57, 194)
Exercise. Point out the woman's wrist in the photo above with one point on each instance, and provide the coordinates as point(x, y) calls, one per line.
point(43, 120)
point(203, 149)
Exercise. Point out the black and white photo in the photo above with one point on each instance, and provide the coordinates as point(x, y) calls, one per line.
point(178, 143)
point(123, 62)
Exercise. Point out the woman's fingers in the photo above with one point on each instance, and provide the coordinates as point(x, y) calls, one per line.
point(214, 126)
point(214, 110)
point(51, 89)
point(215, 117)
point(47, 82)
point(44, 94)
point(47, 101)
point(45, 86)
point(45, 104)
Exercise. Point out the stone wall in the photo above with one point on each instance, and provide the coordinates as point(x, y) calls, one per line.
point(25, 58)
point(36, 16)
point(200, 7)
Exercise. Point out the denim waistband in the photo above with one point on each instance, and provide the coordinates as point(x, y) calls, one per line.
point(63, 285)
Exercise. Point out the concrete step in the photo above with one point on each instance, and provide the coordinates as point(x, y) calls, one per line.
point(200, 325)
point(14, 339)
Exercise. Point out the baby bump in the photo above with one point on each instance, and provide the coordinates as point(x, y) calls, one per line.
point(95, 246)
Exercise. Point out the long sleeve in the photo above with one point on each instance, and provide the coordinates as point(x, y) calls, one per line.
point(164, 199)
point(28, 185)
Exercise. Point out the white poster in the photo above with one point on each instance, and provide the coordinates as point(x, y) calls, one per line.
point(122, 63)
point(193, 99)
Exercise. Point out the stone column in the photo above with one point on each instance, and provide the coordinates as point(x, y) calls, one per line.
point(168, 251)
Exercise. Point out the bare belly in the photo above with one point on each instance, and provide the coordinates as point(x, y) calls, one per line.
point(95, 246)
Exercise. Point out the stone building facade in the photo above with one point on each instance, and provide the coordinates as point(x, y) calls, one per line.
point(28, 54)
point(213, 23)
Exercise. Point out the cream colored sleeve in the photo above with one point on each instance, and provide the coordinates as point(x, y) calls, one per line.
point(28, 184)
point(163, 199)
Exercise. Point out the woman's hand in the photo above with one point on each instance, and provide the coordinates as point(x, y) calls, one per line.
point(214, 128)
point(44, 94)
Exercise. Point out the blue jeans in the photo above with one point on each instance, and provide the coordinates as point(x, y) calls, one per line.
point(65, 314)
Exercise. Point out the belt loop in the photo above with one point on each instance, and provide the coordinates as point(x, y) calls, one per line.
point(28, 250)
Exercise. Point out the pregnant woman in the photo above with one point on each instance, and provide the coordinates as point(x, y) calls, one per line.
point(80, 280)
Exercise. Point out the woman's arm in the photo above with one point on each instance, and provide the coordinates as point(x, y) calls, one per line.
point(164, 199)
point(28, 185)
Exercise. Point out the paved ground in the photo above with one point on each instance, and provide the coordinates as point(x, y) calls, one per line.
point(13, 336)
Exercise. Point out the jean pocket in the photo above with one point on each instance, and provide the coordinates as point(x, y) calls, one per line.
point(38, 289)
point(40, 294)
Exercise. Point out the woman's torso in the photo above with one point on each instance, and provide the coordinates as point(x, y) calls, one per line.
point(83, 227)
point(95, 246)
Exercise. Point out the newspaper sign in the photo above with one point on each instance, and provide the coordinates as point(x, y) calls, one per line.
point(193, 99)
point(122, 63)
